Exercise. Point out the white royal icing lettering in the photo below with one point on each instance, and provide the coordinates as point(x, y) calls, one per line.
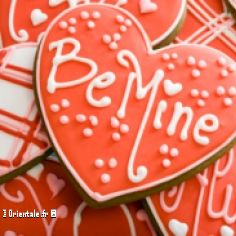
point(124, 57)
point(179, 111)
point(100, 82)
point(59, 59)
point(20, 36)
point(202, 125)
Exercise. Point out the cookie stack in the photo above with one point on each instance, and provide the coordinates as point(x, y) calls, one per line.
point(118, 117)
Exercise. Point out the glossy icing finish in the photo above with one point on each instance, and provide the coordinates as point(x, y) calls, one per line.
point(204, 205)
point(156, 88)
point(159, 17)
point(22, 138)
point(45, 187)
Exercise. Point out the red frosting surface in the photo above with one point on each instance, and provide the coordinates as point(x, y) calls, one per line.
point(124, 113)
point(204, 205)
point(159, 17)
point(45, 187)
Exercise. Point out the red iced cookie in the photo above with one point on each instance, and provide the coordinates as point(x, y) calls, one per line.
point(45, 188)
point(22, 140)
point(208, 23)
point(204, 205)
point(24, 20)
point(127, 115)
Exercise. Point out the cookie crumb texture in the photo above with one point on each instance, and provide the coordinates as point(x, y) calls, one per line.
point(22, 138)
point(157, 114)
point(29, 23)
point(45, 187)
point(211, 210)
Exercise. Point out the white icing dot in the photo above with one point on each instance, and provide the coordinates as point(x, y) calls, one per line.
point(105, 178)
point(72, 21)
point(63, 25)
point(106, 38)
point(220, 91)
point(88, 132)
point(96, 15)
point(91, 25)
point(224, 73)
point(72, 30)
point(10, 233)
point(166, 57)
point(117, 37)
point(113, 46)
point(113, 163)
point(171, 66)
point(166, 163)
point(174, 56)
point(225, 230)
point(54, 108)
point(228, 102)
point(164, 149)
point(201, 103)
point(84, 15)
point(116, 137)
point(232, 68)
point(194, 93)
point(120, 19)
point(115, 123)
point(222, 61)
point(80, 118)
point(191, 61)
point(93, 121)
point(202, 64)
point(64, 120)
point(128, 22)
point(99, 163)
point(124, 129)
point(232, 91)
point(205, 94)
point(123, 28)
point(174, 152)
point(65, 103)
point(196, 73)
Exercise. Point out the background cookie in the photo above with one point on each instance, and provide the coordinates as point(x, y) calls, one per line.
point(208, 23)
point(22, 140)
point(161, 18)
point(204, 205)
point(182, 98)
point(45, 187)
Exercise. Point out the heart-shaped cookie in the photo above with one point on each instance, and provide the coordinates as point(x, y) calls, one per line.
point(67, 213)
point(161, 18)
point(204, 205)
point(22, 140)
point(134, 119)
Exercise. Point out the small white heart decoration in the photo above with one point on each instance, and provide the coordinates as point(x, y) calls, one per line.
point(38, 17)
point(147, 6)
point(55, 184)
point(171, 89)
point(178, 228)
